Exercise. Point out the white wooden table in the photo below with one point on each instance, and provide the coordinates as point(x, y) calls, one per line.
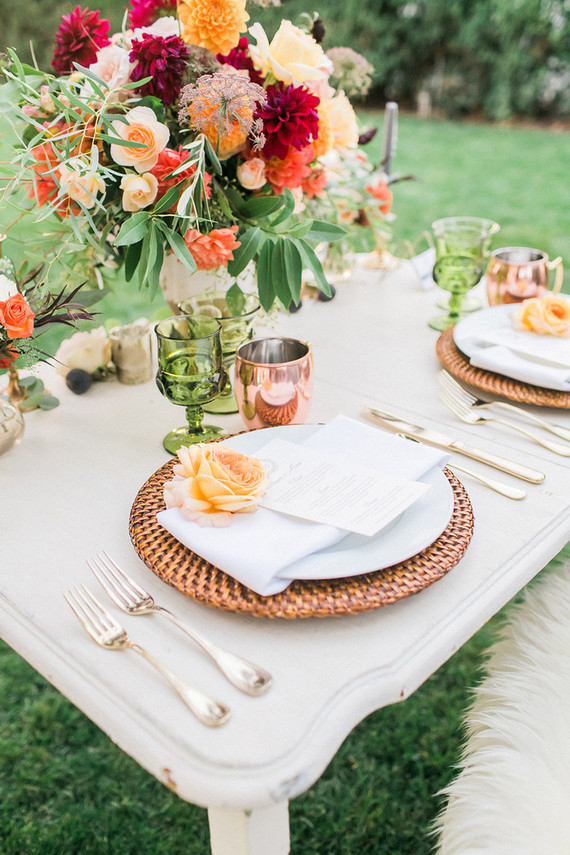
point(72, 481)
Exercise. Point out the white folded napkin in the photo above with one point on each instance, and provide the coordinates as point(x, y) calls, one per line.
point(526, 356)
point(256, 548)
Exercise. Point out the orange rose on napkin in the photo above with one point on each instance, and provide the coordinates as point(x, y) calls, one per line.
point(214, 481)
point(548, 315)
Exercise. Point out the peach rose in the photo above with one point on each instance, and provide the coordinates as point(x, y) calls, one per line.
point(342, 120)
point(139, 191)
point(78, 184)
point(549, 315)
point(143, 127)
point(16, 317)
point(251, 173)
point(293, 56)
point(214, 481)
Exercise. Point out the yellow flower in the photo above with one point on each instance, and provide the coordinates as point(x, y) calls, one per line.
point(293, 56)
point(214, 481)
point(337, 125)
point(213, 24)
point(549, 315)
point(139, 191)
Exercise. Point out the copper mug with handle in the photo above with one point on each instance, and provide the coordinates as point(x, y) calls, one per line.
point(516, 273)
point(273, 381)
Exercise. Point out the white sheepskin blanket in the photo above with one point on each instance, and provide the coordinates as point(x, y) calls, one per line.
point(512, 795)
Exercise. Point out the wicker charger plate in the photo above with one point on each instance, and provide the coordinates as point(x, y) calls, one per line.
point(457, 363)
point(197, 578)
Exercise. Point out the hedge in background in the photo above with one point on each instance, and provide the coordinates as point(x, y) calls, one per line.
point(496, 57)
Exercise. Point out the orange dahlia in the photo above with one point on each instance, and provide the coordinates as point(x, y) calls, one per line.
point(213, 24)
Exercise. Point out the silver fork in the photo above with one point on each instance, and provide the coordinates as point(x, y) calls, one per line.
point(466, 414)
point(446, 380)
point(104, 629)
point(131, 598)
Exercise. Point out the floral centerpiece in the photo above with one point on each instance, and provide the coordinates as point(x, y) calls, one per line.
point(185, 133)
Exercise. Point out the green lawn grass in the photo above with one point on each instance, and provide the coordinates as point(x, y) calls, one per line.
point(65, 788)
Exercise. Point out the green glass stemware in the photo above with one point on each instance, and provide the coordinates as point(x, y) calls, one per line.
point(190, 373)
point(236, 313)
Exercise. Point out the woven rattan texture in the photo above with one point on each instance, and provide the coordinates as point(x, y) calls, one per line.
point(458, 364)
point(196, 578)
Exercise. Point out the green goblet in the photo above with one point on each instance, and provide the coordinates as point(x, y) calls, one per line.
point(236, 314)
point(465, 237)
point(190, 373)
point(456, 274)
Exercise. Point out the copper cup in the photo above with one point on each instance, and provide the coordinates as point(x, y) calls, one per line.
point(273, 382)
point(516, 273)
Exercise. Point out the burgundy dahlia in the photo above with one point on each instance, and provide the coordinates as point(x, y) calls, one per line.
point(80, 35)
point(239, 57)
point(163, 59)
point(289, 119)
point(145, 12)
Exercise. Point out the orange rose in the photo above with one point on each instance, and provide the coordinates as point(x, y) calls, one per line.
point(141, 126)
point(549, 315)
point(213, 482)
point(17, 317)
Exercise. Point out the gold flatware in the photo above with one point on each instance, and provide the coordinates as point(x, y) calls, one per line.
point(449, 382)
point(131, 598)
point(104, 629)
point(466, 414)
point(440, 440)
point(497, 486)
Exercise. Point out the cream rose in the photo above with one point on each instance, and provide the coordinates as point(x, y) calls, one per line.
point(251, 173)
point(7, 287)
point(86, 350)
point(112, 66)
point(77, 182)
point(342, 119)
point(141, 126)
point(293, 56)
point(549, 315)
point(212, 482)
point(139, 191)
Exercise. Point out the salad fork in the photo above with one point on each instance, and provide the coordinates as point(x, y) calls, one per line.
point(131, 598)
point(104, 629)
point(447, 381)
point(466, 414)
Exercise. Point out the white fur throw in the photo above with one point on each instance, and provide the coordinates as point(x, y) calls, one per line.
point(512, 795)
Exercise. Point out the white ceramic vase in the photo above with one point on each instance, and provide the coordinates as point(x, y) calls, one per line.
point(177, 284)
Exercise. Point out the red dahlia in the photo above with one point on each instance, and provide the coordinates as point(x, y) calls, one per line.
point(289, 119)
point(78, 39)
point(145, 12)
point(162, 59)
point(239, 57)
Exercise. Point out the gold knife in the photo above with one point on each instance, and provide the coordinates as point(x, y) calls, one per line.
point(440, 440)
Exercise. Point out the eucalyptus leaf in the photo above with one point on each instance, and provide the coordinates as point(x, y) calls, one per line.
point(321, 232)
point(259, 207)
point(169, 199)
point(235, 300)
point(132, 258)
point(288, 206)
point(279, 273)
point(293, 268)
point(310, 260)
point(181, 251)
point(212, 156)
point(31, 384)
point(48, 402)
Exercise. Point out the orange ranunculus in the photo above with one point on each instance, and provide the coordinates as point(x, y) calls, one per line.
point(548, 315)
point(214, 249)
point(17, 317)
point(8, 357)
point(382, 192)
point(290, 172)
point(213, 24)
point(214, 481)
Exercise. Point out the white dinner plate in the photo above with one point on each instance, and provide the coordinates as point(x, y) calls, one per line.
point(413, 531)
point(468, 329)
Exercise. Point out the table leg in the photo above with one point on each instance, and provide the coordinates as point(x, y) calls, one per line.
point(263, 831)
